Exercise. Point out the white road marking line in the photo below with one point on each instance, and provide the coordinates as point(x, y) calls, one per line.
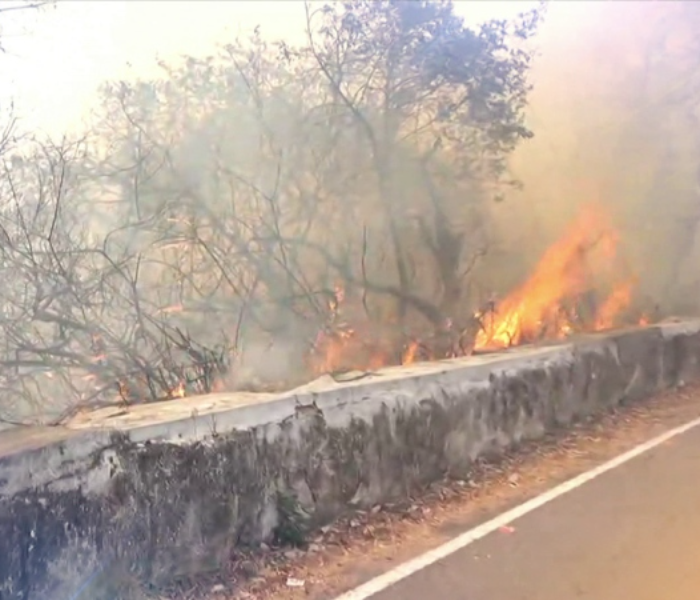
point(386, 580)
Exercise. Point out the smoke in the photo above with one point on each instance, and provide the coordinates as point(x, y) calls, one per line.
point(236, 217)
point(614, 109)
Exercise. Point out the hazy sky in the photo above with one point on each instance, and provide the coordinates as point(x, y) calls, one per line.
point(56, 58)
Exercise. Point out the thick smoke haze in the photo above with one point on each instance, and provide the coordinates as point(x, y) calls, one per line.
point(615, 112)
point(365, 194)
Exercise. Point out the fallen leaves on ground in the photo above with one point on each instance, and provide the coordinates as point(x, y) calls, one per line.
point(379, 533)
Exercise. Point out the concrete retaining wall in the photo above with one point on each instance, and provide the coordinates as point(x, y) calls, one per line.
point(168, 489)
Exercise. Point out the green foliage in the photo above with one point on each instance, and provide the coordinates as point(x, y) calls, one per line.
point(292, 528)
point(420, 60)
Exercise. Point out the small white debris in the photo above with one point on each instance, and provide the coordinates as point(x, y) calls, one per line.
point(295, 583)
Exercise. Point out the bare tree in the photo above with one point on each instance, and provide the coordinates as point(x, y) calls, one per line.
point(237, 220)
point(436, 108)
point(294, 144)
point(83, 320)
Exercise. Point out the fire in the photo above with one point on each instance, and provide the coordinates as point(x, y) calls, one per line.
point(345, 349)
point(341, 347)
point(537, 308)
point(576, 286)
point(616, 302)
point(179, 391)
point(410, 354)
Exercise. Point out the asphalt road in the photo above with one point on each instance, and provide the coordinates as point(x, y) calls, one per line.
point(633, 532)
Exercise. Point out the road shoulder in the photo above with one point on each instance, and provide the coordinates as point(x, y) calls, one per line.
point(366, 544)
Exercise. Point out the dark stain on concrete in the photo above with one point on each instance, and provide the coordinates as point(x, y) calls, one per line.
point(160, 511)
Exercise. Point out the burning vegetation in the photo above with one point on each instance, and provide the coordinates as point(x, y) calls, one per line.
point(274, 212)
point(580, 284)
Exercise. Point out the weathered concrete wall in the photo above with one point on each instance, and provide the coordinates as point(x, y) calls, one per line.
point(166, 489)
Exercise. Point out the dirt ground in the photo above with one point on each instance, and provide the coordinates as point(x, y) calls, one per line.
point(364, 544)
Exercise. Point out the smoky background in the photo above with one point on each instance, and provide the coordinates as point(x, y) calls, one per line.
point(361, 196)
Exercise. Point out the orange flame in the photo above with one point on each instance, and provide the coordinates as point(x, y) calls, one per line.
point(179, 391)
point(410, 354)
point(557, 300)
point(343, 347)
point(616, 302)
point(535, 309)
